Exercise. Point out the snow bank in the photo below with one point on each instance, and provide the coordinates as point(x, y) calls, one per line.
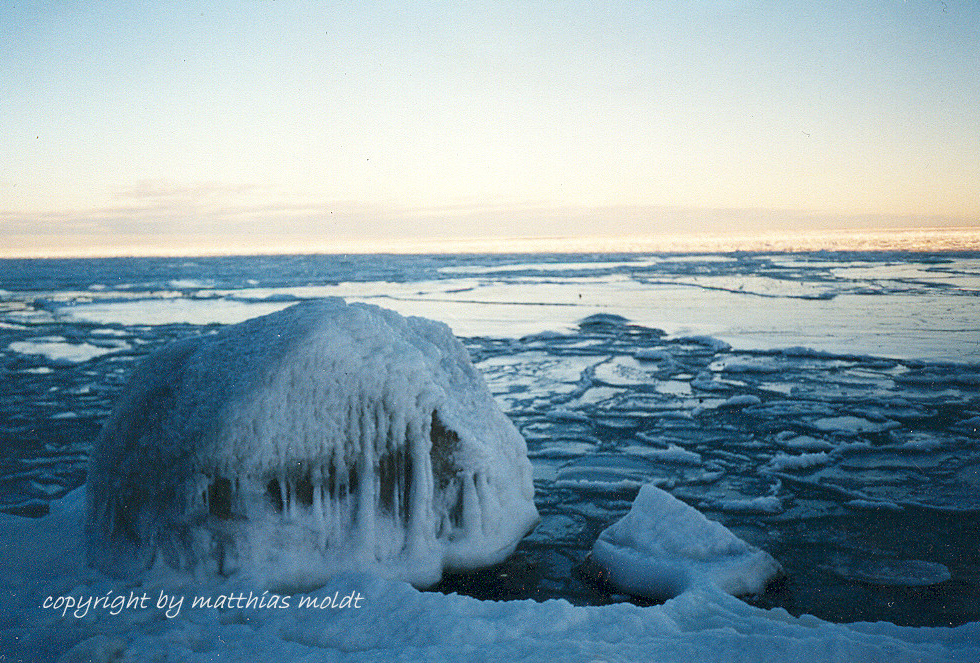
point(319, 438)
point(43, 558)
point(664, 547)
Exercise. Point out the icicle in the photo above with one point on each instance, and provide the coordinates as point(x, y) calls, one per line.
point(343, 475)
point(420, 525)
point(316, 479)
point(471, 506)
point(202, 490)
point(402, 452)
point(353, 427)
point(379, 444)
point(366, 496)
point(398, 490)
point(283, 493)
point(293, 501)
point(330, 498)
point(487, 503)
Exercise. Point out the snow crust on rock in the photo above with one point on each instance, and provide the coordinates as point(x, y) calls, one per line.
point(664, 547)
point(320, 438)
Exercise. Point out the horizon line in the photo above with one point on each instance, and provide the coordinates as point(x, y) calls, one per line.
point(910, 239)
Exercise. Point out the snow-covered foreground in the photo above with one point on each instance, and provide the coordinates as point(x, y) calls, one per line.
point(43, 561)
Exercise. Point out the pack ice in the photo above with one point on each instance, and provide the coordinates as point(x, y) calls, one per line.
point(322, 438)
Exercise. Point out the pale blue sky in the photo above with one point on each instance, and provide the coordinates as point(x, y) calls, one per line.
point(300, 125)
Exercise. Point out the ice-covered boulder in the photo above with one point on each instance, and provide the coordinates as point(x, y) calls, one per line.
point(321, 438)
point(664, 547)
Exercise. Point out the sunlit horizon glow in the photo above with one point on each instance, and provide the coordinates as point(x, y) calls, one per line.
point(914, 240)
point(265, 127)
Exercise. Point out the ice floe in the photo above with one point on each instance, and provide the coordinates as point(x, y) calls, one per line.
point(664, 547)
point(892, 572)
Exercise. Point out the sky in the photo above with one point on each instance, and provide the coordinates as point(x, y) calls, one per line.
point(267, 126)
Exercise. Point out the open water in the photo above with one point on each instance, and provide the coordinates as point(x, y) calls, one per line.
point(825, 406)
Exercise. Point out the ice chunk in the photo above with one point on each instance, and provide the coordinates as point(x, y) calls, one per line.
point(673, 454)
point(664, 547)
point(58, 349)
point(652, 354)
point(784, 462)
point(850, 425)
point(893, 573)
point(603, 321)
point(875, 505)
point(744, 400)
point(757, 366)
point(710, 342)
point(563, 414)
point(802, 442)
point(318, 438)
point(767, 504)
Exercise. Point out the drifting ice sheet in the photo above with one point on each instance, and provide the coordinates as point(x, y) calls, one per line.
point(664, 547)
point(319, 438)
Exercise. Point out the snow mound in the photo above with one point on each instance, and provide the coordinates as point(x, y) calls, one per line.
point(664, 547)
point(320, 438)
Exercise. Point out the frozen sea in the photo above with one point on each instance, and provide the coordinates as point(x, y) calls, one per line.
point(824, 406)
